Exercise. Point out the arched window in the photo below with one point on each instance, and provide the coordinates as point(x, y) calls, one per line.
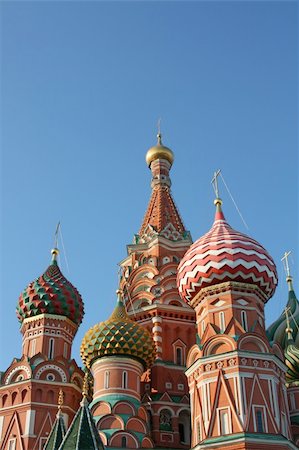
point(221, 322)
point(123, 441)
point(179, 356)
point(32, 347)
point(125, 380)
point(107, 380)
point(224, 421)
point(244, 320)
point(65, 349)
point(185, 427)
point(51, 348)
point(165, 420)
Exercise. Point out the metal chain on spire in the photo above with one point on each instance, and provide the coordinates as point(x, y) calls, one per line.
point(233, 200)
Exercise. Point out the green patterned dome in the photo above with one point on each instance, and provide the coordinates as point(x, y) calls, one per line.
point(292, 362)
point(119, 335)
point(277, 331)
point(51, 293)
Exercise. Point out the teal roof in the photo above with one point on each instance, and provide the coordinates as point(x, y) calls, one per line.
point(82, 433)
point(57, 434)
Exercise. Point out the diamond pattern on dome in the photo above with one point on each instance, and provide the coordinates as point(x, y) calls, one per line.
point(51, 293)
point(119, 335)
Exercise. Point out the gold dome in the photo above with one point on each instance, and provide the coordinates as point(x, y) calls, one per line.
point(159, 151)
point(119, 335)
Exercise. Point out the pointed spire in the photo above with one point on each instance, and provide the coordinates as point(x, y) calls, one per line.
point(60, 403)
point(217, 202)
point(58, 430)
point(85, 388)
point(82, 433)
point(55, 251)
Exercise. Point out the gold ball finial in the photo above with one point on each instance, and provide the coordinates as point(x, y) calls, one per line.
point(217, 201)
point(159, 151)
point(54, 253)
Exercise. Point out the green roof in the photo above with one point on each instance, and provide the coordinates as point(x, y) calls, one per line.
point(56, 435)
point(82, 433)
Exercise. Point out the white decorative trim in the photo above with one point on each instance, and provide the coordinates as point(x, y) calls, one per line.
point(53, 367)
point(16, 369)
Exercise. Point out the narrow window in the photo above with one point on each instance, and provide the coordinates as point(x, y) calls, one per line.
point(123, 441)
point(179, 356)
point(182, 432)
point(259, 421)
point(283, 425)
point(198, 431)
point(65, 350)
point(125, 380)
point(33, 347)
point(224, 421)
point(203, 327)
point(244, 320)
point(222, 322)
point(51, 348)
point(293, 401)
point(107, 379)
point(12, 444)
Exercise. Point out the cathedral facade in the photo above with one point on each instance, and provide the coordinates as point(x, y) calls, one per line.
point(184, 361)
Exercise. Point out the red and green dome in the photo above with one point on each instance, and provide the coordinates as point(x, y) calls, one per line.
point(51, 293)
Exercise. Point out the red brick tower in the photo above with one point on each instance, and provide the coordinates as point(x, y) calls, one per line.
point(152, 299)
point(236, 379)
point(50, 311)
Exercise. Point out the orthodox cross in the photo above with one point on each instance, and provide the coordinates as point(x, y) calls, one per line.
point(285, 261)
point(215, 182)
point(56, 235)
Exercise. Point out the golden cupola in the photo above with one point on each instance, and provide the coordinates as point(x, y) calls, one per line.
point(159, 151)
point(118, 336)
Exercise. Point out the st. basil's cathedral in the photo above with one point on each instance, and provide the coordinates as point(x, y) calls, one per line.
point(183, 362)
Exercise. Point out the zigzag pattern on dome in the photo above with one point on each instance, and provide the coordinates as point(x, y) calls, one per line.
point(51, 293)
point(224, 254)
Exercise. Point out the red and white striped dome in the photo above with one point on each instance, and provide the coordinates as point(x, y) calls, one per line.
point(224, 254)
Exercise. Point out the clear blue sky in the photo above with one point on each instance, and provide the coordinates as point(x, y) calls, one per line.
point(82, 87)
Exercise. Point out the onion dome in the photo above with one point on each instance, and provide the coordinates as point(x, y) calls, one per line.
point(119, 335)
point(277, 331)
point(159, 151)
point(224, 254)
point(51, 293)
point(292, 363)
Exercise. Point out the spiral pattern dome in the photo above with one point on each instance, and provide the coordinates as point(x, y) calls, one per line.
point(51, 293)
point(277, 330)
point(292, 363)
point(119, 335)
point(224, 254)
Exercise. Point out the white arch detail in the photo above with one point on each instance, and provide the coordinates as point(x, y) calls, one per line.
point(17, 369)
point(51, 367)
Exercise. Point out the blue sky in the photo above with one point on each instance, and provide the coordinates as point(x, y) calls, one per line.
point(83, 85)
